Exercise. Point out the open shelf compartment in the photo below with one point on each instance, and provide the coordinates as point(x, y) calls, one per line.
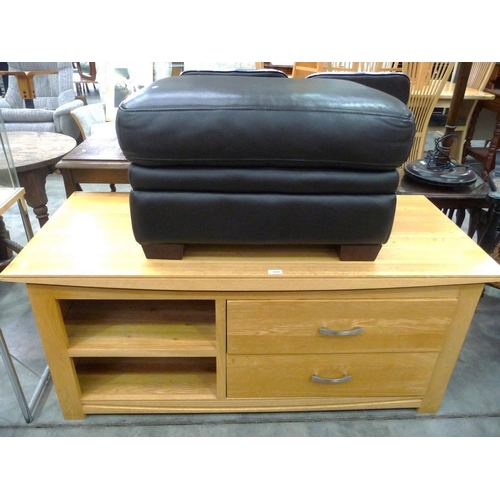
point(113, 380)
point(134, 328)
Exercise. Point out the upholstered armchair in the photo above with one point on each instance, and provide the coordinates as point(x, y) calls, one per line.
point(54, 101)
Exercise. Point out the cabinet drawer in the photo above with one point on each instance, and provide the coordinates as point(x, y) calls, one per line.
point(366, 325)
point(277, 376)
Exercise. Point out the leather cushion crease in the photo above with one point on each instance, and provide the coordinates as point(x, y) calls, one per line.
point(221, 158)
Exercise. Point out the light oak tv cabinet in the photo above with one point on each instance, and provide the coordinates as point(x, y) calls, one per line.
point(234, 329)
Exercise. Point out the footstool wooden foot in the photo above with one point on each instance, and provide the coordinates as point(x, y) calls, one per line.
point(170, 251)
point(358, 252)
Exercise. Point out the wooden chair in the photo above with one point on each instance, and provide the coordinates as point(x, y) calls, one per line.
point(381, 67)
point(351, 67)
point(427, 80)
point(487, 154)
point(478, 79)
point(303, 69)
point(85, 76)
point(286, 68)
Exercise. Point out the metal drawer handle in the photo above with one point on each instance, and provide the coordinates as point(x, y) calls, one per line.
point(341, 333)
point(340, 380)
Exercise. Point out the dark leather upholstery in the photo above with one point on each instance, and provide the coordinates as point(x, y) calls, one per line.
point(395, 84)
point(262, 122)
point(217, 158)
point(262, 180)
point(265, 73)
point(260, 218)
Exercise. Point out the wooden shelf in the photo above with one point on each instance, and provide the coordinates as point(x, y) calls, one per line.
point(134, 328)
point(137, 379)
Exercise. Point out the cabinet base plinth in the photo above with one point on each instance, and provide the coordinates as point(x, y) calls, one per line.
point(249, 406)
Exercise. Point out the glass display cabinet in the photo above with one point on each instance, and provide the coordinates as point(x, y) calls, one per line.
point(10, 194)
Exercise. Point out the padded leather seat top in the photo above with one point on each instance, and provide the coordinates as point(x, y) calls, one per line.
point(234, 122)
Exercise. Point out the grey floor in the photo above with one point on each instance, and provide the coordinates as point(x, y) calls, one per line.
point(471, 406)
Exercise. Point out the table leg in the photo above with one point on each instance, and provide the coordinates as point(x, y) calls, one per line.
point(489, 238)
point(33, 181)
point(70, 185)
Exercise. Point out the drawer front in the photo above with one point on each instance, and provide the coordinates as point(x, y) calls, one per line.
point(289, 376)
point(330, 326)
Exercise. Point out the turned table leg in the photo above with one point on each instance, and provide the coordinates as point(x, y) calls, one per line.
point(33, 181)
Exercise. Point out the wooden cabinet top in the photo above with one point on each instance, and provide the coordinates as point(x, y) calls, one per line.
point(89, 242)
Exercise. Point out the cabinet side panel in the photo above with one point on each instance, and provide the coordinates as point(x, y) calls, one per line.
point(55, 343)
point(467, 302)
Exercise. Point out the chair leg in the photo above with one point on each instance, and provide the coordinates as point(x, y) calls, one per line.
point(460, 217)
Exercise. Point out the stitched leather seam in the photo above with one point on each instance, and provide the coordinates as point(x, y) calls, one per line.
point(334, 111)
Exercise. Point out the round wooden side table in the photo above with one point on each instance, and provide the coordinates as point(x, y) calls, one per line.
point(35, 156)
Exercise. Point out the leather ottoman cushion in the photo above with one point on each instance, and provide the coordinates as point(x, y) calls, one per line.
point(235, 122)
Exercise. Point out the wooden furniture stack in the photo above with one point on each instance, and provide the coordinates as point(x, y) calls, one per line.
point(236, 329)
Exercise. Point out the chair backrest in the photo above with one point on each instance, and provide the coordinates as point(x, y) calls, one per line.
point(343, 66)
point(303, 69)
point(427, 80)
point(88, 116)
point(51, 90)
point(87, 71)
point(480, 74)
point(381, 67)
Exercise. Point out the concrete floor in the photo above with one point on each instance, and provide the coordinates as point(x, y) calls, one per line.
point(471, 405)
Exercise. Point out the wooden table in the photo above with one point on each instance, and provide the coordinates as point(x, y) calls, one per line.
point(470, 95)
point(97, 160)
point(245, 328)
point(35, 156)
point(456, 201)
